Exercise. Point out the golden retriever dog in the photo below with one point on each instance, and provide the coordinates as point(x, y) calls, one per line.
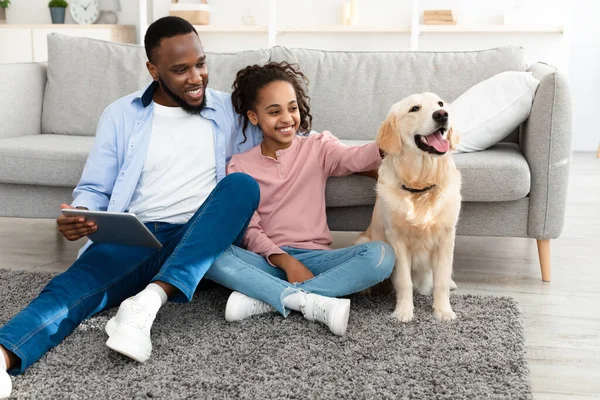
point(418, 201)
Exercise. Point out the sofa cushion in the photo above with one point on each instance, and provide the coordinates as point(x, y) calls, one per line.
point(22, 90)
point(499, 173)
point(489, 111)
point(85, 75)
point(49, 160)
point(352, 92)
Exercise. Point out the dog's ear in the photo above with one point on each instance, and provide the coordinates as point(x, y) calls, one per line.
point(454, 138)
point(388, 139)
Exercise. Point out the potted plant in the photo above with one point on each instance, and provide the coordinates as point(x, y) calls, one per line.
point(57, 11)
point(3, 6)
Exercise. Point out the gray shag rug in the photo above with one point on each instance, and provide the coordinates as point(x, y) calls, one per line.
point(198, 355)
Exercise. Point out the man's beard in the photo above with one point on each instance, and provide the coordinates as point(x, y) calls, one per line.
point(193, 110)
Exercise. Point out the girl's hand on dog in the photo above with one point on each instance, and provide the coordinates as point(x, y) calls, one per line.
point(296, 271)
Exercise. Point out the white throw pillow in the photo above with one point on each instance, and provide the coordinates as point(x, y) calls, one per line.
point(492, 109)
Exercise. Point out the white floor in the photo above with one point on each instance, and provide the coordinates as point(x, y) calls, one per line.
point(562, 318)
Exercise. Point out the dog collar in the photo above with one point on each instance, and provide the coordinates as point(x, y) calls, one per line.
point(412, 190)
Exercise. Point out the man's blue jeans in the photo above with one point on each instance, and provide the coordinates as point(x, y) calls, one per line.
point(337, 272)
point(105, 275)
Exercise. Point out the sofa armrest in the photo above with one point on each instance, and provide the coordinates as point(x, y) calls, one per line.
point(546, 141)
point(21, 95)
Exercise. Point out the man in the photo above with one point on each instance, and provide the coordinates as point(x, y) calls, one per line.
point(159, 153)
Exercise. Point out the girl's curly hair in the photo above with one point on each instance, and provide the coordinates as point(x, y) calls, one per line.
point(250, 80)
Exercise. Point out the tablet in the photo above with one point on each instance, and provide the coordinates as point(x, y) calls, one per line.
point(116, 228)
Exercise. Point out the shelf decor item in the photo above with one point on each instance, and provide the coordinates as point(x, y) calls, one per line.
point(85, 12)
point(109, 9)
point(3, 6)
point(438, 17)
point(350, 12)
point(248, 18)
point(57, 11)
point(195, 14)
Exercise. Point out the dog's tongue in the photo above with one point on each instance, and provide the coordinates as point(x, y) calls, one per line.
point(436, 141)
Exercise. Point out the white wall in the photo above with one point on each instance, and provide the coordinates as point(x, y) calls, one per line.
point(552, 48)
point(576, 53)
point(584, 74)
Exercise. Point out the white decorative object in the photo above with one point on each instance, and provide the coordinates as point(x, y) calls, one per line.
point(353, 12)
point(84, 11)
point(491, 110)
point(109, 9)
point(350, 12)
point(248, 19)
point(346, 13)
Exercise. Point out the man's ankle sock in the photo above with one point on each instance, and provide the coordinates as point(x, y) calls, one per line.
point(3, 366)
point(295, 301)
point(154, 297)
point(5, 382)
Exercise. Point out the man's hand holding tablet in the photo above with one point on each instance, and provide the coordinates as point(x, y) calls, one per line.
point(74, 227)
point(122, 228)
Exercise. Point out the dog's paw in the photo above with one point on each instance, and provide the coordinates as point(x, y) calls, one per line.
point(361, 239)
point(444, 315)
point(404, 314)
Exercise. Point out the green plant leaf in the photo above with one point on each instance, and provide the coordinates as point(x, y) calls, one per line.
point(58, 3)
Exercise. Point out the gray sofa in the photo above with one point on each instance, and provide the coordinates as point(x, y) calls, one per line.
point(518, 188)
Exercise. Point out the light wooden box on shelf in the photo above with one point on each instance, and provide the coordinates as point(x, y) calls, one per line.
point(437, 12)
point(436, 22)
point(195, 14)
point(438, 17)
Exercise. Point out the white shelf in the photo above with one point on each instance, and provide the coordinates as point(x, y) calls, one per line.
point(383, 29)
point(271, 30)
point(343, 29)
point(302, 29)
point(66, 26)
point(231, 29)
point(491, 29)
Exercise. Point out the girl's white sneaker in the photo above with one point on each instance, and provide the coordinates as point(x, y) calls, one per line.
point(331, 311)
point(239, 307)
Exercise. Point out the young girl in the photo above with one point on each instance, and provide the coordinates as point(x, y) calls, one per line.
point(288, 263)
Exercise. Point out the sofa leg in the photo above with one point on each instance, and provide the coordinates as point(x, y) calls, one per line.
point(544, 254)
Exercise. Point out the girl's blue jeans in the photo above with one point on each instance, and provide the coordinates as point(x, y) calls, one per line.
point(337, 272)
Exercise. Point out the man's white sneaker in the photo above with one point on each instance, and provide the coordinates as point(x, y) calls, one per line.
point(331, 311)
point(5, 384)
point(239, 306)
point(129, 330)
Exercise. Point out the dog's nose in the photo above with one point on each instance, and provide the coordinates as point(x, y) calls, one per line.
point(440, 116)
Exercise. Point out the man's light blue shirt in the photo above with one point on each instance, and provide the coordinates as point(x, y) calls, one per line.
point(115, 164)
